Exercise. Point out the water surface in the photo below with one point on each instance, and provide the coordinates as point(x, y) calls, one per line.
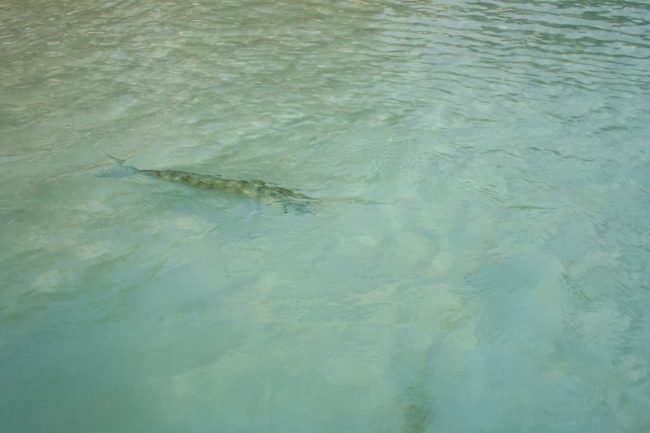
point(479, 262)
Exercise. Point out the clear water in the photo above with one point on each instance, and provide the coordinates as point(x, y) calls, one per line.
point(480, 261)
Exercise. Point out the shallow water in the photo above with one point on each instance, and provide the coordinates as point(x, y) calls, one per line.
point(478, 262)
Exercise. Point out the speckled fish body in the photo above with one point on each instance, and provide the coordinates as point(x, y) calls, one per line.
point(255, 189)
point(265, 193)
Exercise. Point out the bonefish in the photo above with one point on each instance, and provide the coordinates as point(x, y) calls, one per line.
point(261, 191)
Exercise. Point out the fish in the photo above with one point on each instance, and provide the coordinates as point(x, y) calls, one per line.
point(263, 192)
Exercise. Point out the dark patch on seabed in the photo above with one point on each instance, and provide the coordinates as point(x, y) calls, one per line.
point(416, 413)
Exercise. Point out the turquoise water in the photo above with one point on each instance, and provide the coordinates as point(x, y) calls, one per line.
point(479, 260)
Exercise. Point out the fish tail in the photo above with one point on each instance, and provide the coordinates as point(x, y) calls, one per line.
point(122, 171)
point(118, 160)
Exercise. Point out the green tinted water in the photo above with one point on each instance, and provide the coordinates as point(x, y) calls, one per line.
point(479, 261)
